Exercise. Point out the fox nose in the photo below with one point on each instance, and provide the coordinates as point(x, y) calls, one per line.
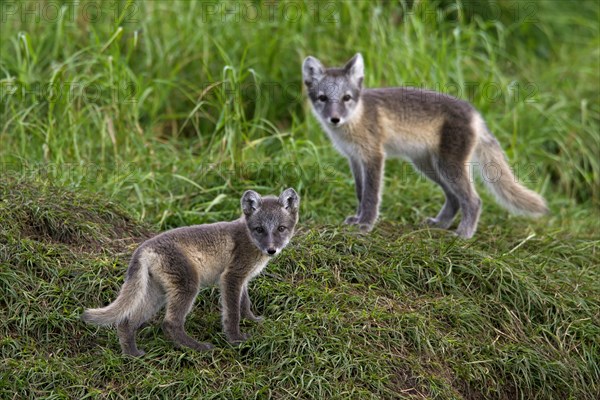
point(335, 120)
point(271, 251)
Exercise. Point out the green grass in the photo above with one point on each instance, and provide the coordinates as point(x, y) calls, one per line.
point(108, 135)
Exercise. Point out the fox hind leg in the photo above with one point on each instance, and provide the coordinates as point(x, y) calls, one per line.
point(181, 290)
point(126, 332)
point(457, 179)
point(126, 329)
point(458, 140)
point(179, 305)
point(451, 206)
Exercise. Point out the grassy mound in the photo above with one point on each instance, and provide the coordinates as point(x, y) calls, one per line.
point(401, 312)
point(38, 212)
point(56, 247)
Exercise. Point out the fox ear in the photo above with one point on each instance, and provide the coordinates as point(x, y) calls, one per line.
point(251, 202)
point(312, 70)
point(355, 69)
point(289, 200)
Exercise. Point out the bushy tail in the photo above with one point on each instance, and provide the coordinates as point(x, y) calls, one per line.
point(129, 302)
point(500, 180)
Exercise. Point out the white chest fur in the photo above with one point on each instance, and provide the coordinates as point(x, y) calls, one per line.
point(260, 265)
point(341, 136)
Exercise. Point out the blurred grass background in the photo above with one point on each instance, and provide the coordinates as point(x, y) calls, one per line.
point(103, 87)
point(167, 110)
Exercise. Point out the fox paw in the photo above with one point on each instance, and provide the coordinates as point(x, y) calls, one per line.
point(365, 227)
point(436, 223)
point(236, 339)
point(254, 318)
point(134, 353)
point(464, 233)
point(431, 222)
point(203, 346)
point(351, 220)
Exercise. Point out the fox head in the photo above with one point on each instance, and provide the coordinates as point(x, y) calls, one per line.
point(271, 220)
point(334, 92)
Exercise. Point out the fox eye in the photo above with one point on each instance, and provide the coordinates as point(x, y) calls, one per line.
point(322, 98)
point(259, 229)
point(347, 97)
point(281, 228)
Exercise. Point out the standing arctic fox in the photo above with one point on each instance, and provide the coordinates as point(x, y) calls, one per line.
point(171, 267)
point(438, 133)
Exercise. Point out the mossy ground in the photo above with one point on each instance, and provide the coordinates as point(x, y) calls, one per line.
point(402, 312)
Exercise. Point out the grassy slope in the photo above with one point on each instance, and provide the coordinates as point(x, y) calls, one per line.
point(403, 311)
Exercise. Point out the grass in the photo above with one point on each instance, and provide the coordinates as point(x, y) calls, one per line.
point(117, 125)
